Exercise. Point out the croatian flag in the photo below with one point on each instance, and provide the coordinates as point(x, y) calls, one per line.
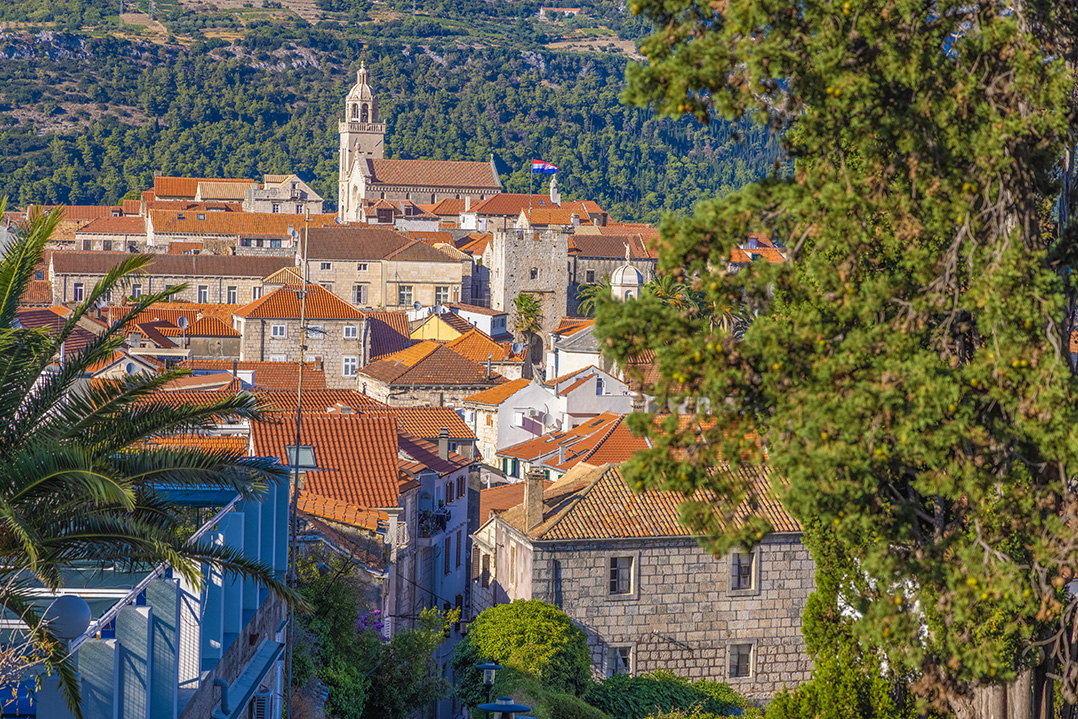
point(543, 168)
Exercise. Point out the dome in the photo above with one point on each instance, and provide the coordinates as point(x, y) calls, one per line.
point(361, 91)
point(627, 275)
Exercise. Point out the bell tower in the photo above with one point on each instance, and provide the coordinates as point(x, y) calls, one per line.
point(362, 138)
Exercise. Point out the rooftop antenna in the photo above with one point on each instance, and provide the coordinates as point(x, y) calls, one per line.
point(295, 458)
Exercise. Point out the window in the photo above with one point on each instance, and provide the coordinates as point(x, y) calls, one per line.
point(106, 245)
point(136, 290)
point(404, 294)
point(449, 492)
point(327, 286)
point(448, 549)
point(77, 292)
point(350, 366)
point(485, 576)
point(441, 295)
point(621, 575)
point(740, 660)
point(589, 275)
point(278, 358)
point(359, 294)
point(256, 293)
point(513, 564)
point(305, 460)
point(599, 388)
point(201, 216)
point(245, 242)
point(232, 294)
point(87, 245)
point(460, 489)
point(458, 548)
point(361, 267)
point(351, 332)
point(534, 273)
point(741, 574)
point(39, 274)
point(326, 266)
point(277, 330)
point(203, 293)
point(618, 660)
point(299, 209)
point(274, 243)
point(276, 207)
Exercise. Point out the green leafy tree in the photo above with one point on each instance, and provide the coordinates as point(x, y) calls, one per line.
point(909, 364)
point(78, 477)
point(532, 637)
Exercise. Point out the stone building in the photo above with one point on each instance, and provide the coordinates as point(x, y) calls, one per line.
point(425, 374)
point(282, 194)
point(529, 262)
point(217, 279)
point(365, 174)
point(112, 234)
point(230, 232)
point(648, 596)
point(337, 333)
point(598, 257)
point(379, 267)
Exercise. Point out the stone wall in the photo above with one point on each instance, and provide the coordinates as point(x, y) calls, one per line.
point(259, 344)
point(110, 242)
point(603, 267)
point(414, 395)
point(512, 256)
point(63, 287)
point(383, 277)
point(682, 614)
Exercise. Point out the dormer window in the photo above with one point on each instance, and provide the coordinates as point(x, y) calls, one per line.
point(201, 216)
point(180, 216)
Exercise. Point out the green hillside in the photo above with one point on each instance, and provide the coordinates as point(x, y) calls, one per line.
point(91, 107)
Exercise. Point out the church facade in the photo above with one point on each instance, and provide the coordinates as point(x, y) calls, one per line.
point(366, 176)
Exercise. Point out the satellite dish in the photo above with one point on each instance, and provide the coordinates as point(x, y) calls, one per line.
point(182, 323)
point(417, 305)
point(517, 347)
point(68, 616)
point(438, 309)
point(130, 368)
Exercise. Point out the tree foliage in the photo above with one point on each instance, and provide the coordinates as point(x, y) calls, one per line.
point(534, 638)
point(638, 697)
point(908, 366)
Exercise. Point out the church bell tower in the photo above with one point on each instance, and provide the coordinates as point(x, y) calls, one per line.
point(362, 138)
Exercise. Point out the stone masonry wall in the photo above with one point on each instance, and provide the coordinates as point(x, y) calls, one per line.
point(259, 344)
point(513, 255)
point(682, 614)
point(414, 395)
point(63, 286)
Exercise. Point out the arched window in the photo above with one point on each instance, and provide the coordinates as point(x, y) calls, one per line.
point(355, 112)
point(364, 115)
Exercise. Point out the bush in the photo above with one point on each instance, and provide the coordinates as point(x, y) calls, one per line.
point(557, 705)
point(629, 697)
point(534, 638)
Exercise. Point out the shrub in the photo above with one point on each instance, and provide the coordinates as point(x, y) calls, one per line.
point(557, 705)
point(629, 697)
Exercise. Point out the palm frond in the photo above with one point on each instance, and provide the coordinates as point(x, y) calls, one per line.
point(17, 264)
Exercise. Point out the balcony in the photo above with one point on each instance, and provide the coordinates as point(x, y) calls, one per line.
point(432, 522)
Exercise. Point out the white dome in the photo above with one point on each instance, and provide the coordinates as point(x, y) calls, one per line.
point(627, 275)
point(361, 91)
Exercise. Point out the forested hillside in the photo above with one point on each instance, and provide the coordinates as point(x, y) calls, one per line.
point(87, 116)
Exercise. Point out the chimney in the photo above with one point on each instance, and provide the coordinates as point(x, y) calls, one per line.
point(561, 454)
point(301, 481)
point(489, 357)
point(575, 219)
point(533, 499)
point(467, 203)
point(443, 443)
point(235, 367)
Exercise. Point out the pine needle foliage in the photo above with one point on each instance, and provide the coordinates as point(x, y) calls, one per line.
point(909, 365)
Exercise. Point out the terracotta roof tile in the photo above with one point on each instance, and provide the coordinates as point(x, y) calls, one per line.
point(115, 226)
point(284, 303)
point(568, 326)
point(449, 207)
point(495, 500)
point(628, 228)
point(771, 255)
point(356, 455)
point(476, 309)
point(433, 238)
point(354, 242)
point(389, 333)
point(509, 204)
point(204, 327)
point(418, 251)
point(232, 224)
point(98, 263)
point(267, 375)
point(78, 213)
point(564, 450)
point(613, 246)
point(284, 276)
point(426, 422)
point(51, 322)
point(192, 206)
point(596, 503)
point(496, 395)
point(433, 173)
point(477, 346)
point(181, 247)
point(424, 452)
point(235, 445)
point(186, 186)
point(131, 207)
point(225, 189)
point(37, 293)
point(340, 512)
point(429, 363)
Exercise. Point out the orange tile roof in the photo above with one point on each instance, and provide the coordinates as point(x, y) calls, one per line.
point(115, 226)
point(284, 303)
point(596, 503)
point(284, 276)
point(340, 512)
point(356, 455)
point(769, 254)
point(613, 246)
point(78, 213)
point(496, 395)
point(476, 309)
point(389, 332)
point(595, 436)
point(99, 263)
point(433, 173)
point(233, 224)
point(37, 293)
point(555, 216)
point(234, 445)
point(204, 327)
point(430, 363)
point(426, 422)
point(568, 326)
point(477, 346)
point(432, 238)
point(423, 454)
point(217, 382)
point(628, 228)
point(509, 204)
point(191, 205)
point(495, 500)
point(179, 247)
point(186, 186)
point(131, 207)
point(449, 207)
point(225, 189)
point(267, 375)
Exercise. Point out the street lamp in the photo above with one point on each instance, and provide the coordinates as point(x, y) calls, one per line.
point(489, 668)
point(504, 708)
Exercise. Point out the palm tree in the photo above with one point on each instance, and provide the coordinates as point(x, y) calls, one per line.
point(529, 323)
point(668, 290)
point(588, 296)
point(77, 478)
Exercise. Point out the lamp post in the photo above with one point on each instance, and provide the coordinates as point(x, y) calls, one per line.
point(504, 708)
point(489, 670)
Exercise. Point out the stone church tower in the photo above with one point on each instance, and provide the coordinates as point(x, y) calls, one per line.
point(362, 138)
